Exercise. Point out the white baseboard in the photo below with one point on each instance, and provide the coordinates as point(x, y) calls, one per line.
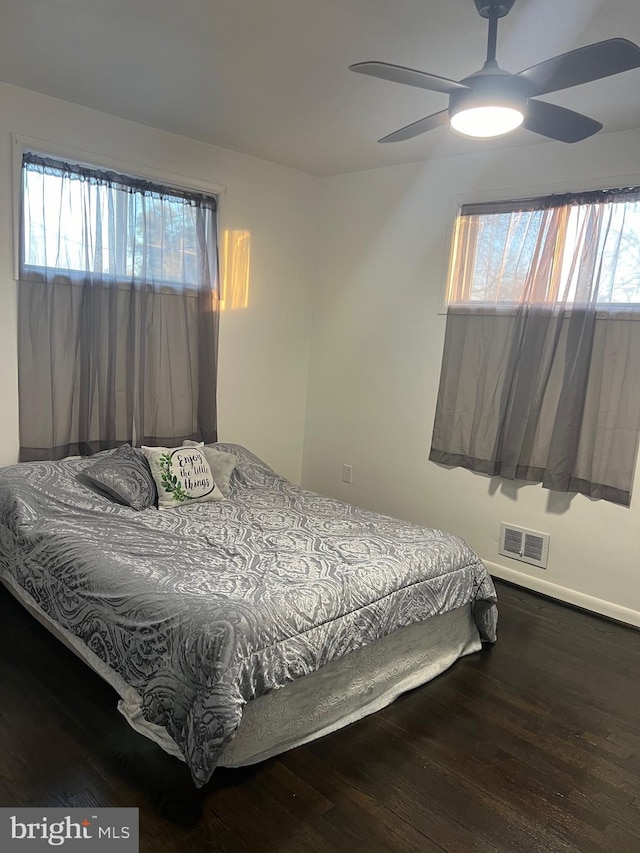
point(563, 593)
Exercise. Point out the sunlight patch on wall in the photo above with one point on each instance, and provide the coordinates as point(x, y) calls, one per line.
point(235, 257)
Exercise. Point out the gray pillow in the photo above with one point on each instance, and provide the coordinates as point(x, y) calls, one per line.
point(222, 464)
point(124, 476)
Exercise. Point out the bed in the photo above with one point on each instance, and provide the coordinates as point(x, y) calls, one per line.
point(238, 628)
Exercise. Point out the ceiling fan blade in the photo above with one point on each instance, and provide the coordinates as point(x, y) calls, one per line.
point(409, 76)
point(592, 62)
point(558, 122)
point(418, 127)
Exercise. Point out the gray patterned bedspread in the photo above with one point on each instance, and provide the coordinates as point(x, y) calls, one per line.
point(204, 607)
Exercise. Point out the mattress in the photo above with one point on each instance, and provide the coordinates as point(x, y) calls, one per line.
point(203, 609)
point(342, 692)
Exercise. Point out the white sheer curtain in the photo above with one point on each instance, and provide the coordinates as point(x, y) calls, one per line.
point(117, 311)
point(540, 377)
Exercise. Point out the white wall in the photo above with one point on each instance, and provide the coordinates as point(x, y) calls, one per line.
point(264, 348)
point(375, 363)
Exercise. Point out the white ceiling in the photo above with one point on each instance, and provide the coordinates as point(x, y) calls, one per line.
point(270, 78)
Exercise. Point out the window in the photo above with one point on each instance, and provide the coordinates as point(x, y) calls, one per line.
point(117, 310)
point(81, 220)
point(539, 376)
point(535, 250)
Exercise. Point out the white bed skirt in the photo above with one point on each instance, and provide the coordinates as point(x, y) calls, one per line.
point(343, 691)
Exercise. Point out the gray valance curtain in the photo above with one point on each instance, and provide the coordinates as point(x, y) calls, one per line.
point(117, 311)
point(540, 377)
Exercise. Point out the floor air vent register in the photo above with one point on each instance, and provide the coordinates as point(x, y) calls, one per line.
point(528, 546)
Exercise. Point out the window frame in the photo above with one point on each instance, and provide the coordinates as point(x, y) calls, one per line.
point(468, 243)
point(515, 193)
point(20, 144)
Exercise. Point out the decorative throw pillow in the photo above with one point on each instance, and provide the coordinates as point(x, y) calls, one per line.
point(182, 476)
point(222, 464)
point(124, 476)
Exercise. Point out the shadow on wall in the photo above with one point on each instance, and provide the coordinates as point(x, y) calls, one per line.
point(235, 262)
point(557, 502)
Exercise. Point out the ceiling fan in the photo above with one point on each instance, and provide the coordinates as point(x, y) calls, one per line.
point(492, 101)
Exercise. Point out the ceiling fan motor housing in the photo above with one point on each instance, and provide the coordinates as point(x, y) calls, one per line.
point(489, 89)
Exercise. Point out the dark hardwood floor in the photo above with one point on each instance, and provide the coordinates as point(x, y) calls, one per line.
point(533, 746)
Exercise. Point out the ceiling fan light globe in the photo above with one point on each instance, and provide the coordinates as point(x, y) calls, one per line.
point(486, 121)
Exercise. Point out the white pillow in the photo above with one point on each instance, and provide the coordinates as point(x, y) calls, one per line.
point(182, 476)
point(222, 464)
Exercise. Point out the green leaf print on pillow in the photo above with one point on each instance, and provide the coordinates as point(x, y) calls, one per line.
point(170, 482)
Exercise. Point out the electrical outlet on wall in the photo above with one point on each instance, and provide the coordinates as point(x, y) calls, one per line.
point(347, 471)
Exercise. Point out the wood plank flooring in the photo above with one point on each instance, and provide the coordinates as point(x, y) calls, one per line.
point(532, 746)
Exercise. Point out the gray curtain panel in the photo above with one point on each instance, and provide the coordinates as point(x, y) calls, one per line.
point(547, 390)
point(117, 312)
